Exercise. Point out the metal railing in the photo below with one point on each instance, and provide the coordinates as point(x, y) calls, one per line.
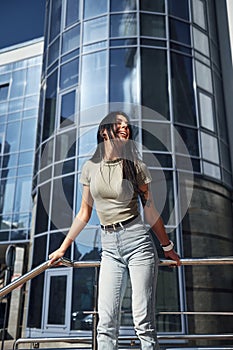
point(92, 340)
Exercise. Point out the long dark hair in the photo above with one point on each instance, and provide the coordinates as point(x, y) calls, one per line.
point(130, 154)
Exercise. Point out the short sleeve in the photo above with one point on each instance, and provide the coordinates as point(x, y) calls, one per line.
point(85, 175)
point(143, 174)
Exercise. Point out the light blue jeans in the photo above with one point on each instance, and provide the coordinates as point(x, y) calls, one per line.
point(127, 251)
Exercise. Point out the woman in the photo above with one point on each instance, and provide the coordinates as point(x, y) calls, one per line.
point(115, 178)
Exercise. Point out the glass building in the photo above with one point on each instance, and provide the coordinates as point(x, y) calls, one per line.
point(162, 63)
point(20, 74)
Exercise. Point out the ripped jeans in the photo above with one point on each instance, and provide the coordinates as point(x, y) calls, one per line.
point(127, 251)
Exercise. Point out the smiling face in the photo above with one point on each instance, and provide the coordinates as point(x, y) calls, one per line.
point(121, 128)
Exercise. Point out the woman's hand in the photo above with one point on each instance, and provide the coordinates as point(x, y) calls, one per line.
point(56, 255)
point(171, 254)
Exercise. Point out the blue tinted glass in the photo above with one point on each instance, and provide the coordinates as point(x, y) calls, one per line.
point(23, 201)
point(123, 68)
point(94, 79)
point(72, 11)
point(18, 83)
point(3, 108)
point(15, 105)
point(55, 18)
point(67, 109)
point(8, 198)
point(28, 134)
point(31, 101)
point(14, 116)
point(4, 92)
point(12, 137)
point(71, 39)
point(53, 51)
point(26, 158)
point(9, 160)
point(95, 30)
point(123, 5)
point(123, 25)
point(179, 31)
point(95, 8)
point(87, 140)
point(69, 74)
point(25, 170)
point(178, 8)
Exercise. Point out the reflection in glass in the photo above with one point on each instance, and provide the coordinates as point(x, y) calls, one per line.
point(65, 145)
point(152, 25)
point(123, 75)
point(50, 106)
point(209, 145)
point(4, 91)
point(190, 138)
point(156, 136)
point(123, 25)
point(23, 200)
point(201, 42)
point(72, 12)
point(179, 8)
point(69, 74)
point(123, 5)
point(204, 78)
point(95, 30)
point(152, 6)
point(67, 109)
point(12, 137)
point(55, 19)
point(199, 13)
point(179, 31)
point(15, 105)
point(206, 111)
point(28, 134)
point(211, 170)
point(71, 39)
point(7, 195)
point(95, 8)
point(53, 51)
point(18, 83)
point(42, 209)
point(93, 80)
point(182, 89)
point(154, 81)
point(87, 140)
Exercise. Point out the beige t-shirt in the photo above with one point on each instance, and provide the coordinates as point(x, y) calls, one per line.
point(114, 197)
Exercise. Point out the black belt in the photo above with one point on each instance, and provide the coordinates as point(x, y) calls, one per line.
point(119, 224)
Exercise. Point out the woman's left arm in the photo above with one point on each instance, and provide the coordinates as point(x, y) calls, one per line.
point(156, 223)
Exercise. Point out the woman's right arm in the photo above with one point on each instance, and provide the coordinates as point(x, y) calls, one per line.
point(77, 226)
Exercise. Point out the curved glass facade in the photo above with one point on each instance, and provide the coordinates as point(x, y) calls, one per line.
point(159, 61)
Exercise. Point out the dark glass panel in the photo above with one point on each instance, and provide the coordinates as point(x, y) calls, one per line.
point(123, 25)
point(4, 91)
point(55, 240)
point(182, 89)
point(181, 48)
point(37, 284)
point(50, 106)
point(152, 6)
point(179, 31)
point(190, 138)
point(69, 74)
point(123, 75)
point(4, 235)
point(42, 210)
point(65, 167)
point(55, 18)
point(53, 51)
point(123, 5)
point(179, 8)
point(156, 136)
point(123, 42)
point(72, 12)
point(67, 109)
point(95, 8)
point(152, 42)
point(154, 159)
point(62, 202)
point(57, 296)
point(154, 80)
point(152, 25)
point(70, 55)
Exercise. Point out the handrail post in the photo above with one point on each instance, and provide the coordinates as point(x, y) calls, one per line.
point(95, 313)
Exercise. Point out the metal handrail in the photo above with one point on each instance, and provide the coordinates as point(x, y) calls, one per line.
point(77, 264)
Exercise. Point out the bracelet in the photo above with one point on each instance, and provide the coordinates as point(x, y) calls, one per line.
point(168, 247)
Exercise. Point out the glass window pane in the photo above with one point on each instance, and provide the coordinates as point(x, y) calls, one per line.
point(204, 78)
point(95, 30)
point(95, 8)
point(179, 8)
point(26, 158)
point(42, 210)
point(16, 105)
point(182, 89)
point(65, 145)
point(156, 136)
point(12, 137)
point(4, 92)
point(209, 146)
point(23, 199)
point(31, 101)
point(123, 5)
point(71, 39)
point(69, 74)
point(18, 83)
point(33, 80)
point(57, 296)
point(153, 26)
point(55, 18)
point(94, 79)
point(28, 134)
point(190, 138)
point(67, 109)
point(53, 51)
point(199, 13)
point(87, 140)
point(179, 31)
point(3, 109)
point(123, 75)
point(123, 25)
point(7, 195)
point(201, 42)
point(211, 170)
point(50, 106)
point(206, 111)
point(154, 81)
point(152, 6)
point(72, 11)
